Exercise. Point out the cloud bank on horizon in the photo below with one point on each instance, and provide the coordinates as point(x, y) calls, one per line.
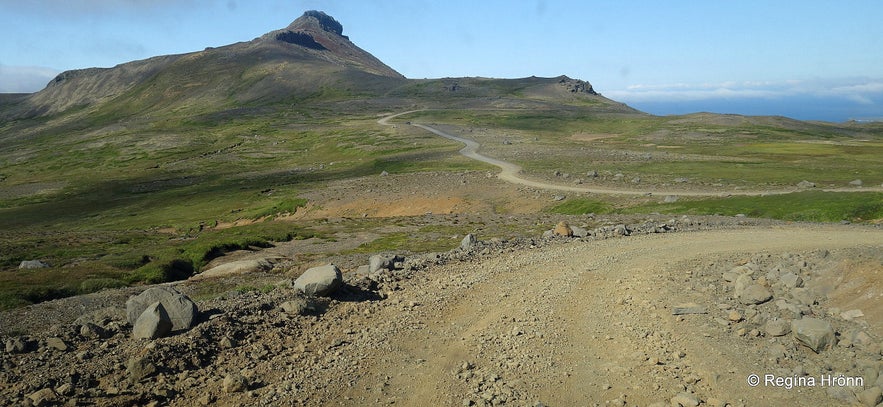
point(865, 91)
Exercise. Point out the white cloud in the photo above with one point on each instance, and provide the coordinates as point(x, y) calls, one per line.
point(24, 79)
point(858, 90)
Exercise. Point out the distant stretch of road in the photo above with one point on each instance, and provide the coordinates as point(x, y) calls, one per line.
point(511, 173)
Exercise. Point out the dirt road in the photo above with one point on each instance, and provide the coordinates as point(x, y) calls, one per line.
point(511, 173)
point(591, 323)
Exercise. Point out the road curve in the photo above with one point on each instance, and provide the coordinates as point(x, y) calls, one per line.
point(511, 173)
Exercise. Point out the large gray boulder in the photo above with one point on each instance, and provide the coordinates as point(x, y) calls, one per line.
point(181, 309)
point(817, 334)
point(153, 323)
point(319, 281)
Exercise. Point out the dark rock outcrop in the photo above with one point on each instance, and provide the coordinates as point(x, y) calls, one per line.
point(576, 85)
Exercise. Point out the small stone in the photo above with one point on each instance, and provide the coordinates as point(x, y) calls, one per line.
point(791, 280)
point(734, 316)
point(579, 231)
point(685, 400)
point(806, 184)
point(43, 397)
point(688, 308)
point(777, 327)
point(234, 383)
point(870, 397)
point(715, 402)
point(852, 314)
point(297, 306)
point(32, 264)
point(92, 331)
point(226, 343)
point(140, 368)
point(16, 345)
point(56, 343)
point(755, 294)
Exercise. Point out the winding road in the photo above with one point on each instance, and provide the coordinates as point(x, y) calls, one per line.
point(511, 173)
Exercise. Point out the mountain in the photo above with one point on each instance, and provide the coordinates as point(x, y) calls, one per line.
point(308, 57)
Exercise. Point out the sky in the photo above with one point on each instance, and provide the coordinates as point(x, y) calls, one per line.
point(808, 59)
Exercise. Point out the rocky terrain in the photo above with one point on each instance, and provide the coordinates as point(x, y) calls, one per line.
point(662, 312)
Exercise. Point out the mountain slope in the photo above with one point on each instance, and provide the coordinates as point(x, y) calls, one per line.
point(310, 54)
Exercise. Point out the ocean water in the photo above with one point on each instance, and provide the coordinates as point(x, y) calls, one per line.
point(800, 108)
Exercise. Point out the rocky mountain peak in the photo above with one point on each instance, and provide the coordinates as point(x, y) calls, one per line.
point(314, 20)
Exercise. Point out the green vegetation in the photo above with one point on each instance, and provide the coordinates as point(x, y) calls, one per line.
point(809, 206)
point(580, 206)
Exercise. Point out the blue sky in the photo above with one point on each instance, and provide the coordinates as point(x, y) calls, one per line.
point(678, 54)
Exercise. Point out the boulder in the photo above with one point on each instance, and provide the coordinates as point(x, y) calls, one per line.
point(468, 242)
point(319, 281)
point(235, 267)
point(817, 334)
point(153, 323)
point(562, 229)
point(856, 183)
point(181, 309)
point(32, 264)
